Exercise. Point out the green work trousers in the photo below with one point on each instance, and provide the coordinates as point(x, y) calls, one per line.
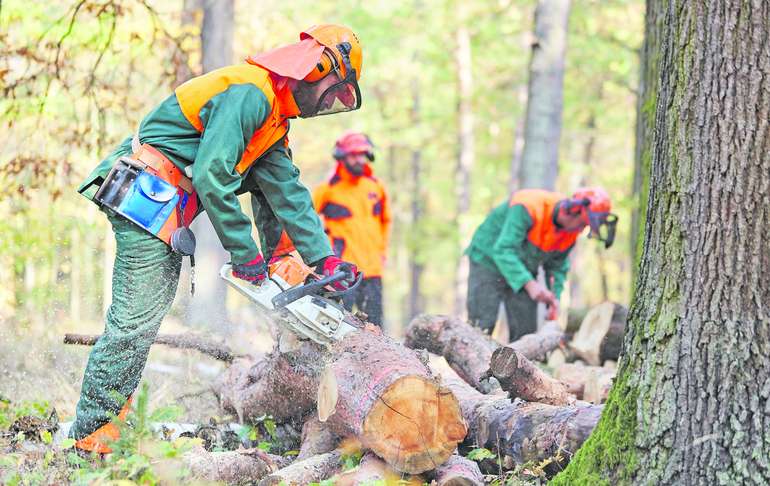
point(144, 282)
point(487, 288)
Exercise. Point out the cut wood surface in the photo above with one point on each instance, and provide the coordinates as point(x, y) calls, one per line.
point(600, 336)
point(522, 379)
point(537, 346)
point(205, 345)
point(466, 348)
point(382, 393)
point(521, 430)
point(313, 469)
point(458, 471)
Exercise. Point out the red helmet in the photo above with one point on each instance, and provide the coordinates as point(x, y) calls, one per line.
point(353, 143)
point(594, 205)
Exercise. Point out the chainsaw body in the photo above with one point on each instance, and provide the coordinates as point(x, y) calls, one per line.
point(298, 300)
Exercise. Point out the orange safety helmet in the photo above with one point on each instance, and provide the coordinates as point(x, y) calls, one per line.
point(594, 206)
point(353, 143)
point(343, 49)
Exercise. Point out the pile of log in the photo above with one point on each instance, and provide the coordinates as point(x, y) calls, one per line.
point(370, 395)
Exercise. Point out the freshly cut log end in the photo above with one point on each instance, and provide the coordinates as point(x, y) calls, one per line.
point(388, 398)
point(415, 422)
point(459, 471)
point(522, 379)
point(600, 336)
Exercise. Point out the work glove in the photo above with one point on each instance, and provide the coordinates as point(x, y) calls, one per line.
point(254, 271)
point(331, 265)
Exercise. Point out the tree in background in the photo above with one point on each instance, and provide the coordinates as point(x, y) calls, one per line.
point(542, 129)
point(690, 402)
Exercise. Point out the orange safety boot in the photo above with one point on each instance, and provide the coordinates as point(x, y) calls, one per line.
point(97, 440)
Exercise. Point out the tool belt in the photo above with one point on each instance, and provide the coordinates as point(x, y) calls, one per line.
point(149, 190)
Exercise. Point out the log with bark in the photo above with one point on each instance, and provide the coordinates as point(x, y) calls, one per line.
point(373, 470)
point(231, 467)
point(317, 438)
point(537, 346)
point(216, 350)
point(522, 379)
point(371, 388)
point(467, 349)
point(589, 383)
point(312, 469)
point(522, 430)
point(458, 471)
point(600, 336)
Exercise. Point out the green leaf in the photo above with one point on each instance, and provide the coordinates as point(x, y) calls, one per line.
point(67, 443)
point(264, 446)
point(270, 427)
point(46, 436)
point(480, 454)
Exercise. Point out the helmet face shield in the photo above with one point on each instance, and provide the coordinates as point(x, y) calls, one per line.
point(603, 226)
point(344, 95)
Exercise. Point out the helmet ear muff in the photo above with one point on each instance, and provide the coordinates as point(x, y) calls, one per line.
point(338, 153)
point(324, 66)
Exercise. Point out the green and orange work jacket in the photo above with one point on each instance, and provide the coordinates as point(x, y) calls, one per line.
point(230, 125)
point(521, 235)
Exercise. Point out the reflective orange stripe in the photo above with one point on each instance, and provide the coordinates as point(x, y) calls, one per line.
point(195, 93)
point(540, 205)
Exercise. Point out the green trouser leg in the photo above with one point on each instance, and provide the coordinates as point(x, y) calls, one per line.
point(487, 288)
point(144, 281)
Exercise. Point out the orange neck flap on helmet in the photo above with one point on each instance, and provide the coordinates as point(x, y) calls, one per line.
point(292, 61)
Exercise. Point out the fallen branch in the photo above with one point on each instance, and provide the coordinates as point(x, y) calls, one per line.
point(216, 350)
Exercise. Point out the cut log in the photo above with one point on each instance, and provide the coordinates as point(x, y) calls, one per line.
point(282, 385)
point(231, 467)
point(458, 471)
point(520, 430)
point(313, 469)
point(384, 394)
point(600, 336)
point(317, 438)
point(592, 382)
point(373, 470)
point(522, 379)
point(537, 346)
point(206, 346)
point(466, 348)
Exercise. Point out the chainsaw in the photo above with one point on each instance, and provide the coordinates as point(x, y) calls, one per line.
point(299, 299)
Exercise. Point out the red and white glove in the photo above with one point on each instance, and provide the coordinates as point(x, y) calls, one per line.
point(331, 265)
point(254, 271)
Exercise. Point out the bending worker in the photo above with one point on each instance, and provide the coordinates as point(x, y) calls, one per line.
point(535, 228)
point(356, 215)
point(217, 136)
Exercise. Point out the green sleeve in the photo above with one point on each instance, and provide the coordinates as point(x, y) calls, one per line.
point(557, 267)
point(291, 203)
point(513, 234)
point(229, 120)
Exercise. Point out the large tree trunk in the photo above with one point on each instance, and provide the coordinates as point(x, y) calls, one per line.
point(207, 308)
point(690, 403)
point(539, 164)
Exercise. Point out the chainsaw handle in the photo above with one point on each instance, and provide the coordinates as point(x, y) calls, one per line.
point(352, 287)
point(290, 295)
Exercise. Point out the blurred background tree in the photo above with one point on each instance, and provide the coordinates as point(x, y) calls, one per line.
point(445, 93)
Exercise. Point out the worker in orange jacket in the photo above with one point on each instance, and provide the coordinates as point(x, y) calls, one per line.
point(354, 209)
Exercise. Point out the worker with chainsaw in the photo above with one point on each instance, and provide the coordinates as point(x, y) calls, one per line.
point(356, 215)
point(535, 228)
point(217, 136)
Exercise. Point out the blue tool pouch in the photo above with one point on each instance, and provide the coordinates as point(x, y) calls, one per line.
point(149, 201)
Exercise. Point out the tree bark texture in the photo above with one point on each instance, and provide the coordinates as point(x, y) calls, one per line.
point(230, 467)
point(382, 393)
point(539, 164)
point(458, 471)
point(521, 430)
point(467, 349)
point(690, 403)
point(312, 469)
point(522, 379)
